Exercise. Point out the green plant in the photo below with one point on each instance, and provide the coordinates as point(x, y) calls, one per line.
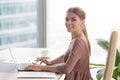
point(116, 73)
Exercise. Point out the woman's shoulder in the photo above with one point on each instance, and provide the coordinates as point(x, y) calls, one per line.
point(79, 41)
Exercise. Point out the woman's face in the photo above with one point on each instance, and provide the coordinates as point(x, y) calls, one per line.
point(73, 22)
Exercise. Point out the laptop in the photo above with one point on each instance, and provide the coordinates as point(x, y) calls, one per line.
point(29, 74)
point(20, 65)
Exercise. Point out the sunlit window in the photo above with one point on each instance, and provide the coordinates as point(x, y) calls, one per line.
point(18, 23)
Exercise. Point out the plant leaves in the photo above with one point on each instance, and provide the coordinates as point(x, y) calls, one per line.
point(94, 64)
point(103, 43)
point(116, 73)
point(117, 58)
point(100, 74)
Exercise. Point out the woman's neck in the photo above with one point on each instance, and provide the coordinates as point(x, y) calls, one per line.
point(77, 34)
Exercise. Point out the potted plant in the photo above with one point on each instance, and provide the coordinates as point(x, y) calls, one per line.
point(116, 73)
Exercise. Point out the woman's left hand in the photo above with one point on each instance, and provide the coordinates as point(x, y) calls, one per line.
point(34, 67)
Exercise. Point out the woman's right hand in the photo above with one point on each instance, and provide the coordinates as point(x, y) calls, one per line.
point(42, 60)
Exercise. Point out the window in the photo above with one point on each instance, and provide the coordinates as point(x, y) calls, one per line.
point(19, 24)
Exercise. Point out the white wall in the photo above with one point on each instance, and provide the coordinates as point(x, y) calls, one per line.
point(102, 16)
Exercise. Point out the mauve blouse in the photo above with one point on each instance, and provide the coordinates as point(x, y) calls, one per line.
point(76, 61)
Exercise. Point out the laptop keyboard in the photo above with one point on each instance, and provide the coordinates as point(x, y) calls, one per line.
point(22, 66)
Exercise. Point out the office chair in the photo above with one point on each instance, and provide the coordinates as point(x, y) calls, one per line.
point(110, 62)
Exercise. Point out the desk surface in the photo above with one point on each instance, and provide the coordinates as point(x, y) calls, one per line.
point(7, 70)
point(13, 76)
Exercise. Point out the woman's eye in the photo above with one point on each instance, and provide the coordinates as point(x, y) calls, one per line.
point(66, 19)
point(73, 19)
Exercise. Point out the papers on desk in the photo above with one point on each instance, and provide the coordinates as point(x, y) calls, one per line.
point(32, 74)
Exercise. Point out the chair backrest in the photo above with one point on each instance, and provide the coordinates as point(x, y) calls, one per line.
point(110, 62)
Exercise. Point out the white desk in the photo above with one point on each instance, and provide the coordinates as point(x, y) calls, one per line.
point(13, 76)
point(8, 71)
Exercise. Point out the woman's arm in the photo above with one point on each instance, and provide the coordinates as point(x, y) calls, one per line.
point(57, 60)
point(53, 68)
point(60, 59)
point(49, 68)
point(37, 67)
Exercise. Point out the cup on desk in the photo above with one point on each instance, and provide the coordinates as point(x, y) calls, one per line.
point(44, 53)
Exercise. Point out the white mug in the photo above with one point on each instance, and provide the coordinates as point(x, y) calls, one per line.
point(44, 53)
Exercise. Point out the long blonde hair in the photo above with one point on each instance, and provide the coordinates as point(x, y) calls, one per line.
point(81, 14)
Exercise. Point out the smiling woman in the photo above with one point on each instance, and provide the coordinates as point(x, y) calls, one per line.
point(76, 58)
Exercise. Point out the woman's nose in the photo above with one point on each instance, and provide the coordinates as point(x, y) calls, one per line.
point(69, 22)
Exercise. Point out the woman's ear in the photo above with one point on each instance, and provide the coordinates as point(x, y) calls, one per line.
point(83, 21)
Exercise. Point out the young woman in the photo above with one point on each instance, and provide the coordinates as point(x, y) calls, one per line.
point(76, 58)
